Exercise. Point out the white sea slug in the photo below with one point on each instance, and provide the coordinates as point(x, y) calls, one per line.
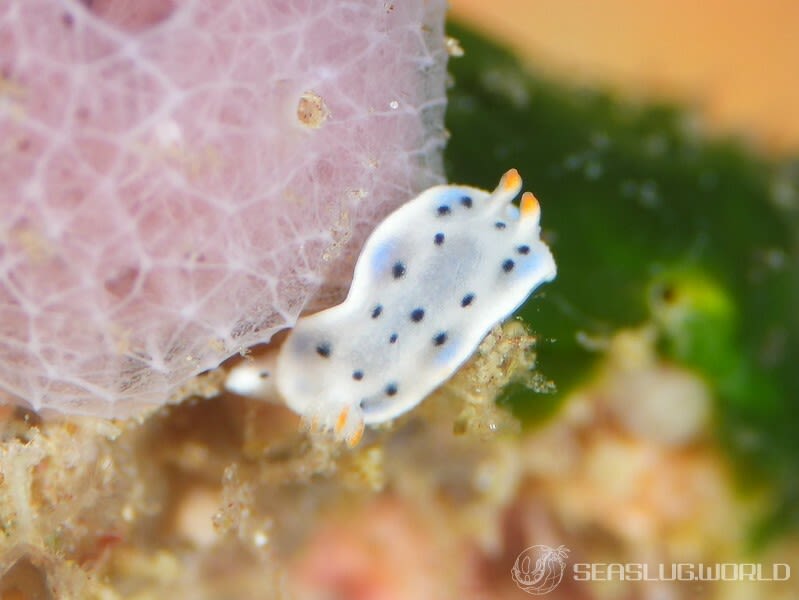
point(432, 280)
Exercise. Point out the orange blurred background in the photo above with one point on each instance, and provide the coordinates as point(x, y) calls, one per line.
point(735, 61)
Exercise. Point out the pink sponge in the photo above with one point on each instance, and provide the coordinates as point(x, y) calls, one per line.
point(179, 180)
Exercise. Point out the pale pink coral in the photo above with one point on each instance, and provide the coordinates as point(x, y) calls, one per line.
point(385, 552)
point(179, 179)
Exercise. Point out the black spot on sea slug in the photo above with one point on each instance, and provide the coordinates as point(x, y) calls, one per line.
point(467, 300)
point(323, 350)
point(417, 314)
point(444, 210)
point(500, 225)
point(357, 375)
point(440, 339)
point(523, 249)
point(377, 311)
point(508, 265)
point(438, 239)
point(393, 338)
point(398, 270)
point(391, 389)
point(466, 201)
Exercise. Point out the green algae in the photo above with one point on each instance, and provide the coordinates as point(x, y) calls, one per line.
point(649, 221)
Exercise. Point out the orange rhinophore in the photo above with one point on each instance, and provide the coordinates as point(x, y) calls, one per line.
point(511, 180)
point(529, 205)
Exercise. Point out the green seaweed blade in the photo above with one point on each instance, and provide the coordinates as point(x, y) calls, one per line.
point(649, 221)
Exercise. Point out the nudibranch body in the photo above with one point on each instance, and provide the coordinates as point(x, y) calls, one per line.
point(432, 280)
